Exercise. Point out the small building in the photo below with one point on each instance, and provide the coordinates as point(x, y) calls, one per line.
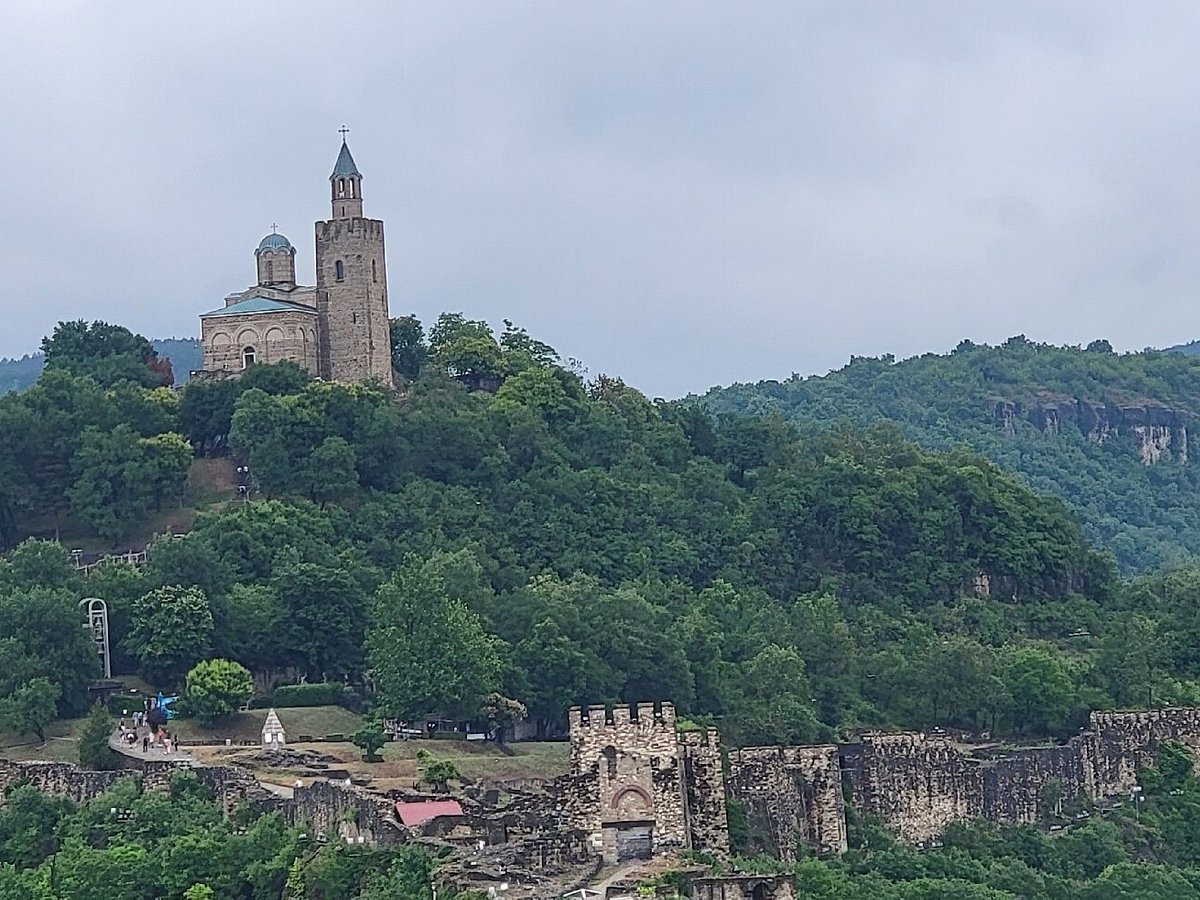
point(273, 734)
point(418, 812)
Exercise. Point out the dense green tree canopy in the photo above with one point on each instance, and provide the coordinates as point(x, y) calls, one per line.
point(988, 398)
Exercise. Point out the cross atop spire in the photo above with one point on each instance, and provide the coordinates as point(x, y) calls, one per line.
point(343, 131)
point(274, 228)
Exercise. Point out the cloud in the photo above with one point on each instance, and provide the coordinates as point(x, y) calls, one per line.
point(681, 193)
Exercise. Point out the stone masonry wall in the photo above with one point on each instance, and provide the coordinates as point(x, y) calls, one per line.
point(355, 337)
point(919, 785)
point(742, 887)
point(349, 811)
point(704, 778)
point(1125, 743)
point(792, 796)
point(274, 336)
point(633, 754)
point(230, 785)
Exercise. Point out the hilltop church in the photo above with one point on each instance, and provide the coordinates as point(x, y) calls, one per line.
point(337, 329)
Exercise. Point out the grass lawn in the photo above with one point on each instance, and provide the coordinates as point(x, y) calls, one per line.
point(59, 746)
point(400, 768)
point(317, 721)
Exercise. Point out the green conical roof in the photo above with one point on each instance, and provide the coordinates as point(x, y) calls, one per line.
point(345, 167)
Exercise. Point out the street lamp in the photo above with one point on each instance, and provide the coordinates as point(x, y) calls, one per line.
point(1135, 796)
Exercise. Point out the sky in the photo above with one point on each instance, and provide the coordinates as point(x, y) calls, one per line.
point(683, 194)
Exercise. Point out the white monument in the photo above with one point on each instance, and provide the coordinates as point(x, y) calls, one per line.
point(272, 731)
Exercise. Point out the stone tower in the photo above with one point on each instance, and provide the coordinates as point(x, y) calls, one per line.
point(352, 305)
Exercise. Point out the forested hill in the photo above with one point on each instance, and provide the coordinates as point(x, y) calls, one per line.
point(1112, 434)
point(184, 354)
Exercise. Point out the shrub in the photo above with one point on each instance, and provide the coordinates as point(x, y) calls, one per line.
point(94, 752)
point(217, 688)
point(323, 693)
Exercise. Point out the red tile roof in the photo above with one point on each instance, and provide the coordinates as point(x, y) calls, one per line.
point(420, 812)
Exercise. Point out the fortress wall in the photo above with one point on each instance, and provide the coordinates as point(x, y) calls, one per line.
point(791, 795)
point(704, 778)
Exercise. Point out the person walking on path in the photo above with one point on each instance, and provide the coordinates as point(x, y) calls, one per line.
point(146, 744)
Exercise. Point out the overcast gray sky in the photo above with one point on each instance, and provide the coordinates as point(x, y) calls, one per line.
point(681, 193)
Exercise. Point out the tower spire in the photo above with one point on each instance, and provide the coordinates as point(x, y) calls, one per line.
point(346, 184)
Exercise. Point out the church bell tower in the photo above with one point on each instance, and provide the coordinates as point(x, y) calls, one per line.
point(352, 305)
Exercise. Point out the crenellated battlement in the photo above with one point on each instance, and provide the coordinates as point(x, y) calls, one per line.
point(645, 715)
point(333, 228)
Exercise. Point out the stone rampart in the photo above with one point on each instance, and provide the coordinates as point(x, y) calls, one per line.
point(919, 785)
point(704, 780)
point(59, 779)
point(231, 786)
point(349, 812)
point(742, 887)
point(792, 796)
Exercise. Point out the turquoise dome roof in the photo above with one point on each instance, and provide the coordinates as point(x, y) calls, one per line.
point(274, 242)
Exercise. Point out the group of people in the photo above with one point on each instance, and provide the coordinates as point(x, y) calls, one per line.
point(156, 735)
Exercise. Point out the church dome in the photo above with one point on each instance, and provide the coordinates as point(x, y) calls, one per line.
point(274, 242)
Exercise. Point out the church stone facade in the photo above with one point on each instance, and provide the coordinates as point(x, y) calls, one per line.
point(337, 329)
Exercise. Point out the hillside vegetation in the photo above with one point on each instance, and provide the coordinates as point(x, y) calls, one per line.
point(563, 542)
point(1106, 432)
point(473, 554)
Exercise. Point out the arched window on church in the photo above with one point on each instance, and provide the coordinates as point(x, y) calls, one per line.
point(339, 271)
point(270, 270)
point(247, 357)
point(374, 274)
point(351, 189)
point(341, 187)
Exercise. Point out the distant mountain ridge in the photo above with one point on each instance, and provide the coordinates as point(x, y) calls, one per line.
point(1192, 348)
point(1112, 434)
point(185, 355)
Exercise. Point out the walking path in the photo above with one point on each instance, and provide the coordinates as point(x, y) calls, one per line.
point(155, 753)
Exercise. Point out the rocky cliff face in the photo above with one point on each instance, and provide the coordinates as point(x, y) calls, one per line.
point(1158, 431)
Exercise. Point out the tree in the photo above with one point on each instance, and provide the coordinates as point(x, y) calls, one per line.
point(92, 744)
point(171, 629)
point(322, 620)
point(119, 477)
point(106, 353)
point(409, 350)
point(330, 473)
point(370, 738)
point(775, 704)
point(465, 348)
point(1129, 660)
point(199, 892)
point(1041, 689)
point(428, 651)
point(42, 637)
point(502, 713)
point(31, 707)
point(436, 772)
point(216, 689)
point(163, 468)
